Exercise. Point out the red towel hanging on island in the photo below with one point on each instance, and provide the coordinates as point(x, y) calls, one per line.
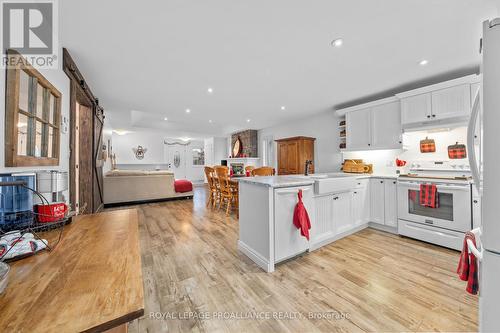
point(301, 218)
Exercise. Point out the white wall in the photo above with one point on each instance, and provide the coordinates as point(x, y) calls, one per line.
point(155, 156)
point(61, 81)
point(384, 160)
point(321, 126)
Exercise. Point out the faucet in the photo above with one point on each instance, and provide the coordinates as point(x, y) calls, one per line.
point(306, 171)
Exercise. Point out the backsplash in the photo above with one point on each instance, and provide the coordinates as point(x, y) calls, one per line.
point(384, 160)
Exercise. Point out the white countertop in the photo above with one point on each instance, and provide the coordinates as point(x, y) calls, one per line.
point(278, 181)
point(301, 180)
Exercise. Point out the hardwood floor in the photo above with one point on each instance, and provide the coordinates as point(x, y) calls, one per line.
point(370, 281)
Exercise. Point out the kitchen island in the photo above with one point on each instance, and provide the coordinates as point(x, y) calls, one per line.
point(337, 204)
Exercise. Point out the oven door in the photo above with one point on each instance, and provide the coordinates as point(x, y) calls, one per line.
point(453, 212)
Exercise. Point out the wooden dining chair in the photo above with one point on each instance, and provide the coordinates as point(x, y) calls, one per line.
point(213, 192)
point(228, 192)
point(263, 171)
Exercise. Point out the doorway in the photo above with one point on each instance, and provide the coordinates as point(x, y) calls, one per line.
point(176, 159)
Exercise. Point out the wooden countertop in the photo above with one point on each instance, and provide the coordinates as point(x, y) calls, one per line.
point(92, 281)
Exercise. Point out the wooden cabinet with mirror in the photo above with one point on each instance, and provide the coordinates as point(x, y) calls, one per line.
point(32, 117)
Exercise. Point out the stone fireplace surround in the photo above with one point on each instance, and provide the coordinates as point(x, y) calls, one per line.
point(249, 143)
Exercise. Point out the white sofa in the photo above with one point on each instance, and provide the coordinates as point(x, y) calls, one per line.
point(127, 186)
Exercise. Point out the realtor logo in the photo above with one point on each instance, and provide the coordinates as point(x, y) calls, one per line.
point(30, 27)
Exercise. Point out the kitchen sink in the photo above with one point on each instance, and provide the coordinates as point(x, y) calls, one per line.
point(333, 183)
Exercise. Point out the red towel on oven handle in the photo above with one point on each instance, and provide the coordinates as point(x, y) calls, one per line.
point(467, 266)
point(301, 218)
point(429, 196)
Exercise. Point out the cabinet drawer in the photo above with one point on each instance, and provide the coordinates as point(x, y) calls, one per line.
point(362, 183)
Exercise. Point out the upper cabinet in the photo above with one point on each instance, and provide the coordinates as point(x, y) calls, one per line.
point(375, 125)
point(358, 129)
point(445, 102)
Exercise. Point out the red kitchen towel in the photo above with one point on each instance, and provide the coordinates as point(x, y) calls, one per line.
point(429, 196)
point(301, 218)
point(467, 266)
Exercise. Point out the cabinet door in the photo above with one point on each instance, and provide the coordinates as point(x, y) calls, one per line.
point(360, 206)
point(451, 102)
point(377, 198)
point(358, 129)
point(391, 204)
point(292, 157)
point(386, 126)
point(324, 227)
point(416, 109)
point(342, 212)
point(288, 240)
point(282, 158)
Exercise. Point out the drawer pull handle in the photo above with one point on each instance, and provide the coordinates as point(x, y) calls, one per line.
point(429, 221)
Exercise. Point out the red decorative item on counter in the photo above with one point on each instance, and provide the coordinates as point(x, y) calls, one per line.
point(400, 163)
point(51, 213)
point(301, 218)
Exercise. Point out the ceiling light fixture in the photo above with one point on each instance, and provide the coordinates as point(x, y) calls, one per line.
point(248, 120)
point(283, 108)
point(210, 90)
point(165, 118)
point(337, 42)
point(121, 132)
point(188, 111)
point(423, 62)
point(210, 121)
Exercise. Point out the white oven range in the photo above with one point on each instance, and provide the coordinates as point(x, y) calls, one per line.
point(446, 224)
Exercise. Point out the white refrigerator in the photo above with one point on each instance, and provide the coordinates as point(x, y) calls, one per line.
point(486, 174)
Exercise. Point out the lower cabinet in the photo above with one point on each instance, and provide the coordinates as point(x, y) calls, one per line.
point(342, 212)
point(361, 206)
point(384, 208)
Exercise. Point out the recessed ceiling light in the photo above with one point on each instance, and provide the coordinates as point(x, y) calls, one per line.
point(283, 108)
point(210, 121)
point(248, 120)
point(423, 62)
point(188, 111)
point(337, 42)
point(210, 90)
point(165, 118)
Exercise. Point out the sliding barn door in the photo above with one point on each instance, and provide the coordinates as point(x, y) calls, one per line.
point(98, 158)
point(84, 162)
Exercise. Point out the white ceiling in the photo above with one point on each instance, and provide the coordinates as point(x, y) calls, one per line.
point(147, 60)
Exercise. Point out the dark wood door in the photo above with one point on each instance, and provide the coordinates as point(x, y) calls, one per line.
point(85, 164)
point(282, 158)
point(98, 201)
point(293, 157)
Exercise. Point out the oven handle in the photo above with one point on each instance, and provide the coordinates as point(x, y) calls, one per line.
point(416, 186)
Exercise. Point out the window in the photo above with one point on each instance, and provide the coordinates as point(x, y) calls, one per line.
point(198, 156)
point(33, 108)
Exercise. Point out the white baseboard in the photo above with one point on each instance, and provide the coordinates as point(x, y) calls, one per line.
point(337, 237)
point(256, 257)
point(392, 230)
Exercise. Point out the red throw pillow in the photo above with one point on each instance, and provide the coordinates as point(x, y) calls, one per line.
point(183, 185)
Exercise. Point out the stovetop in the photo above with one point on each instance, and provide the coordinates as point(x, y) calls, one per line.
point(439, 170)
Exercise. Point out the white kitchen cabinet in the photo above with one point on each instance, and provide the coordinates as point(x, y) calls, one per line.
point(288, 241)
point(342, 212)
point(358, 129)
point(377, 200)
point(451, 102)
point(386, 126)
point(324, 228)
point(361, 206)
point(375, 125)
point(416, 109)
point(390, 203)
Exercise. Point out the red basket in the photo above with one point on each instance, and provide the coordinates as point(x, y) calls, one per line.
point(51, 213)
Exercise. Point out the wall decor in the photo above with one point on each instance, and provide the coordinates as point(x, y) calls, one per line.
point(139, 152)
point(237, 146)
point(427, 145)
point(457, 151)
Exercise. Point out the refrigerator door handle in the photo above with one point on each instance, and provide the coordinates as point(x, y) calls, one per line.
point(474, 167)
